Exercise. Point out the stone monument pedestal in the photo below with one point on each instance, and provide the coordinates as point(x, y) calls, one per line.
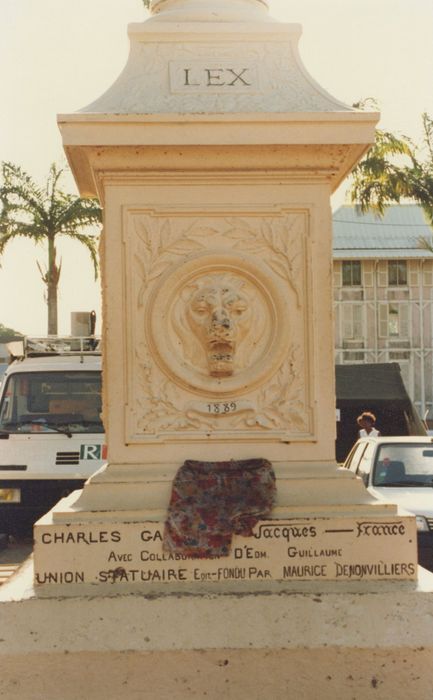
point(214, 155)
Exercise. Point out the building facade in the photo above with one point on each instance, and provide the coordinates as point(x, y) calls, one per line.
point(383, 294)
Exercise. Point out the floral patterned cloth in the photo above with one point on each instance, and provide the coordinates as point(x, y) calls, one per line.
point(211, 501)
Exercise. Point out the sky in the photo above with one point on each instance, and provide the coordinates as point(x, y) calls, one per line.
point(57, 56)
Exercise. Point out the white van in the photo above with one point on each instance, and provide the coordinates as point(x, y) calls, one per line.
point(51, 433)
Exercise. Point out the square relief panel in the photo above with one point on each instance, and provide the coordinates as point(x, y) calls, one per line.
point(217, 320)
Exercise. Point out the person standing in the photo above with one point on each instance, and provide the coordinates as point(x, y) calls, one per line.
point(366, 422)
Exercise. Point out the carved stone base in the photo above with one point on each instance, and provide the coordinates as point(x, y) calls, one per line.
point(324, 529)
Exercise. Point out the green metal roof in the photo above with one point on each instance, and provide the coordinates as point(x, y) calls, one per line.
point(396, 235)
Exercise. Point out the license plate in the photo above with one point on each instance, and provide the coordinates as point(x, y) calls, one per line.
point(10, 495)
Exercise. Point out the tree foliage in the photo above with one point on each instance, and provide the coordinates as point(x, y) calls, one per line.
point(42, 214)
point(7, 335)
point(395, 169)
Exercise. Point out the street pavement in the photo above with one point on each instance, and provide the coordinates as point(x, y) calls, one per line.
point(12, 556)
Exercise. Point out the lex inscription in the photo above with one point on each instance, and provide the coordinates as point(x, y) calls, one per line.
point(221, 76)
point(215, 77)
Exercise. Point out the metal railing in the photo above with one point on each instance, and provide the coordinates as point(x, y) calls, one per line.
point(40, 346)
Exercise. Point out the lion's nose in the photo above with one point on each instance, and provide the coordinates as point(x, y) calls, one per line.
point(220, 318)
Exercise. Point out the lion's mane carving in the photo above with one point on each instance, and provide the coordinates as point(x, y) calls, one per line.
point(219, 321)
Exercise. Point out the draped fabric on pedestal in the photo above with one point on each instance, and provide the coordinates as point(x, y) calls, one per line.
point(211, 501)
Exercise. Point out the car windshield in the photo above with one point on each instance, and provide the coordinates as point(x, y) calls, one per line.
point(402, 464)
point(52, 402)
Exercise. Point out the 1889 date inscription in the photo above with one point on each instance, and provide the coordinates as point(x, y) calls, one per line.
point(289, 550)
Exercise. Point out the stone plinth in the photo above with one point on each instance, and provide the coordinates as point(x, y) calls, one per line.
point(374, 643)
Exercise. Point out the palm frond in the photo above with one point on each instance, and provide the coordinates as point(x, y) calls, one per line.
point(427, 124)
point(392, 171)
point(78, 212)
point(91, 245)
point(425, 243)
point(20, 190)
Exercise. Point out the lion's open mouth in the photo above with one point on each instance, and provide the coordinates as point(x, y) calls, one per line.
point(220, 357)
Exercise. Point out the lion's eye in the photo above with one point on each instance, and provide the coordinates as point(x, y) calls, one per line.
point(239, 309)
point(201, 310)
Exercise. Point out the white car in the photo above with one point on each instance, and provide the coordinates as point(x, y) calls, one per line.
point(400, 470)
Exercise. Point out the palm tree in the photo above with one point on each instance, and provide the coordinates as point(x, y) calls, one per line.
point(395, 169)
point(42, 214)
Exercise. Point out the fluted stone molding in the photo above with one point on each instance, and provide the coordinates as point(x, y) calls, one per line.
point(209, 10)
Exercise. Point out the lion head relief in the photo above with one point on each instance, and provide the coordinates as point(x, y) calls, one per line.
point(219, 323)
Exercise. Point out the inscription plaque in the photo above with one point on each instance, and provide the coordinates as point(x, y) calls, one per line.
point(221, 76)
point(280, 550)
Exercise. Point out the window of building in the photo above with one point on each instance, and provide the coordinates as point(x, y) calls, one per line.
point(351, 273)
point(398, 355)
point(397, 273)
point(353, 356)
point(352, 321)
point(394, 320)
